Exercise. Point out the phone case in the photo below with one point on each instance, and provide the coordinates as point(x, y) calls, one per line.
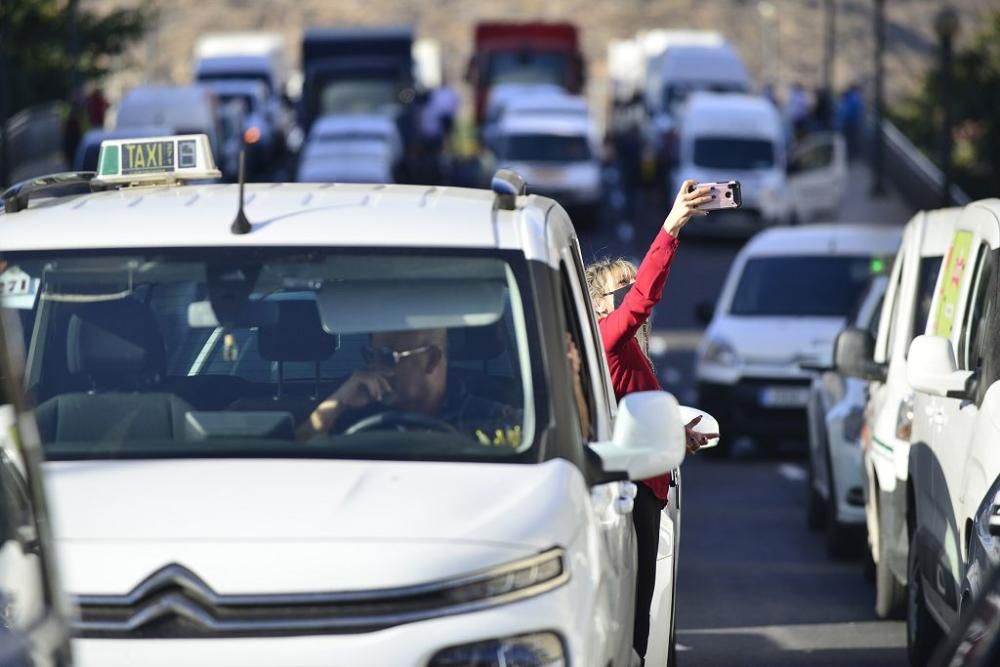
point(725, 194)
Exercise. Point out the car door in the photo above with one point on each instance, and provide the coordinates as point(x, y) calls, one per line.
point(33, 630)
point(950, 421)
point(611, 502)
point(817, 175)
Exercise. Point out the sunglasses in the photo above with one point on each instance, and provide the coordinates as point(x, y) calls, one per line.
point(386, 357)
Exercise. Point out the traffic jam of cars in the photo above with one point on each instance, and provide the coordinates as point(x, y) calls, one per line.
point(286, 382)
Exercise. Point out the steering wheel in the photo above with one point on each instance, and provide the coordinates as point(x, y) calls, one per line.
point(394, 419)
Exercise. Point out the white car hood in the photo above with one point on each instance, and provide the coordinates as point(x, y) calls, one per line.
point(779, 340)
point(304, 525)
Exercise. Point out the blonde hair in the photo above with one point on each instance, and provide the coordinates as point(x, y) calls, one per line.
point(597, 284)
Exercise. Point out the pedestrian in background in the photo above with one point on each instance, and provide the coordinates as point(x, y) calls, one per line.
point(623, 298)
point(797, 109)
point(851, 118)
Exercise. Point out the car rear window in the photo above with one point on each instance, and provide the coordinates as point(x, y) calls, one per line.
point(801, 286)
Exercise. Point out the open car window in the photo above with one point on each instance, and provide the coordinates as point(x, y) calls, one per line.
point(198, 353)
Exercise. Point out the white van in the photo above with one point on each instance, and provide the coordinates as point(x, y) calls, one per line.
point(732, 136)
point(242, 55)
point(955, 444)
point(786, 297)
point(558, 155)
point(681, 63)
point(881, 359)
point(185, 109)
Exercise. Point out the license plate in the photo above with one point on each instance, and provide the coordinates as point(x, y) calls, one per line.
point(784, 397)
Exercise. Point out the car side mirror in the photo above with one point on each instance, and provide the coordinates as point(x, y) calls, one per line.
point(931, 368)
point(708, 424)
point(703, 312)
point(648, 439)
point(854, 355)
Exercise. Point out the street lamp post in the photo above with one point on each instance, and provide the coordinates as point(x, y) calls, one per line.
point(946, 27)
point(878, 160)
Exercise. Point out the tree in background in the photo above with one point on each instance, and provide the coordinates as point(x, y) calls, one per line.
point(976, 99)
point(47, 46)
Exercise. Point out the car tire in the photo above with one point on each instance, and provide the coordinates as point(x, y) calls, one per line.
point(815, 507)
point(890, 595)
point(840, 537)
point(922, 633)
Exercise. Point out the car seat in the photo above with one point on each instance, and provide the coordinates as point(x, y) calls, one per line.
point(115, 347)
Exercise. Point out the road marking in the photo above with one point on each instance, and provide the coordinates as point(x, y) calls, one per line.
point(792, 472)
point(819, 636)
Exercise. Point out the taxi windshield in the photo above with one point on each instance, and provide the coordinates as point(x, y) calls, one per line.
point(285, 354)
point(546, 148)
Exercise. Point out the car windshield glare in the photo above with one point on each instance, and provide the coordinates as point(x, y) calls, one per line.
point(733, 153)
point(201, 354)
point(546, 148)
point(803, 286)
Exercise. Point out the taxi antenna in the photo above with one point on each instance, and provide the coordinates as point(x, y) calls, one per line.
point(241, 225)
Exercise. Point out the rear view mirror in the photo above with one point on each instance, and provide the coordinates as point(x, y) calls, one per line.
point(854, 355)
point(931, 368)
point(648, 439)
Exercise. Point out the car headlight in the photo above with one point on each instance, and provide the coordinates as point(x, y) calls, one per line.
point(513, 581)
point(541, 649)
point(853, 422)
point(721, 352)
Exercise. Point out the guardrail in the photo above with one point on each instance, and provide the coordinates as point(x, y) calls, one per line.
point(914, 176)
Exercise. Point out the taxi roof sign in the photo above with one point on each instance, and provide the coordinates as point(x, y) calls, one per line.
point(156, 160)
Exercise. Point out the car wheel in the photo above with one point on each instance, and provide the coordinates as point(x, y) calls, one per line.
point(815, 507)
point(922, 633)
point(839, 536)
point(890, 595)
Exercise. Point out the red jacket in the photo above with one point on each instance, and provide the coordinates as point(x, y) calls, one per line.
point(630, 370)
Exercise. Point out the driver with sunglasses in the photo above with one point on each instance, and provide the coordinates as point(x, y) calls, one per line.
point(407, 373)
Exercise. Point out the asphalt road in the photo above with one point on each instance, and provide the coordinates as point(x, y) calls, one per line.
point(754, 586)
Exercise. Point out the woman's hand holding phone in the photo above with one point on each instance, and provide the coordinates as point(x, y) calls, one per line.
point(686, 206)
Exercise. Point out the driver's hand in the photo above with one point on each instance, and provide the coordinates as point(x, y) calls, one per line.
point(362, 388)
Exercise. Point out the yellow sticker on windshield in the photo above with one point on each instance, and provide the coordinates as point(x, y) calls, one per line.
point(951, 283)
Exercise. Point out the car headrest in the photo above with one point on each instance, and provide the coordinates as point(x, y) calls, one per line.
point(475, 343)
point(114, 341)
point(297, 335)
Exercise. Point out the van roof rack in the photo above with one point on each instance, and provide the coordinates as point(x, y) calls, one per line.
point(508, 185)
point(16, 197)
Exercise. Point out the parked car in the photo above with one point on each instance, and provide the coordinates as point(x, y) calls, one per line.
point(253, 97)
point(836, 417)
point(558, 156)
point(351, 149)
point(954, 369)
point(180, 348)
point(35, 612)
point(787, 295)
point(726, 137)
point(881, 361)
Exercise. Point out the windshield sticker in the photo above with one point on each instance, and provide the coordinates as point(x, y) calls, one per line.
point(955, 265)
point(18, 289)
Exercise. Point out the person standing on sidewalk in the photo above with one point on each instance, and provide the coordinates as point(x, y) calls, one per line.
point(632, 370)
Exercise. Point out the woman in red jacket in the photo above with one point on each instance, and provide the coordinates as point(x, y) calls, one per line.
point(632, 370)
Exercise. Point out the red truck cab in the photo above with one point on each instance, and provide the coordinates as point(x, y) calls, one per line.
point(524, 53)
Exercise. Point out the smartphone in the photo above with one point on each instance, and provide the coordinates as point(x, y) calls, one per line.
point(725, 194)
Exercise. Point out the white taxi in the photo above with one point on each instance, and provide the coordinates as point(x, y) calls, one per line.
point(326, 424)
point(954, 454)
